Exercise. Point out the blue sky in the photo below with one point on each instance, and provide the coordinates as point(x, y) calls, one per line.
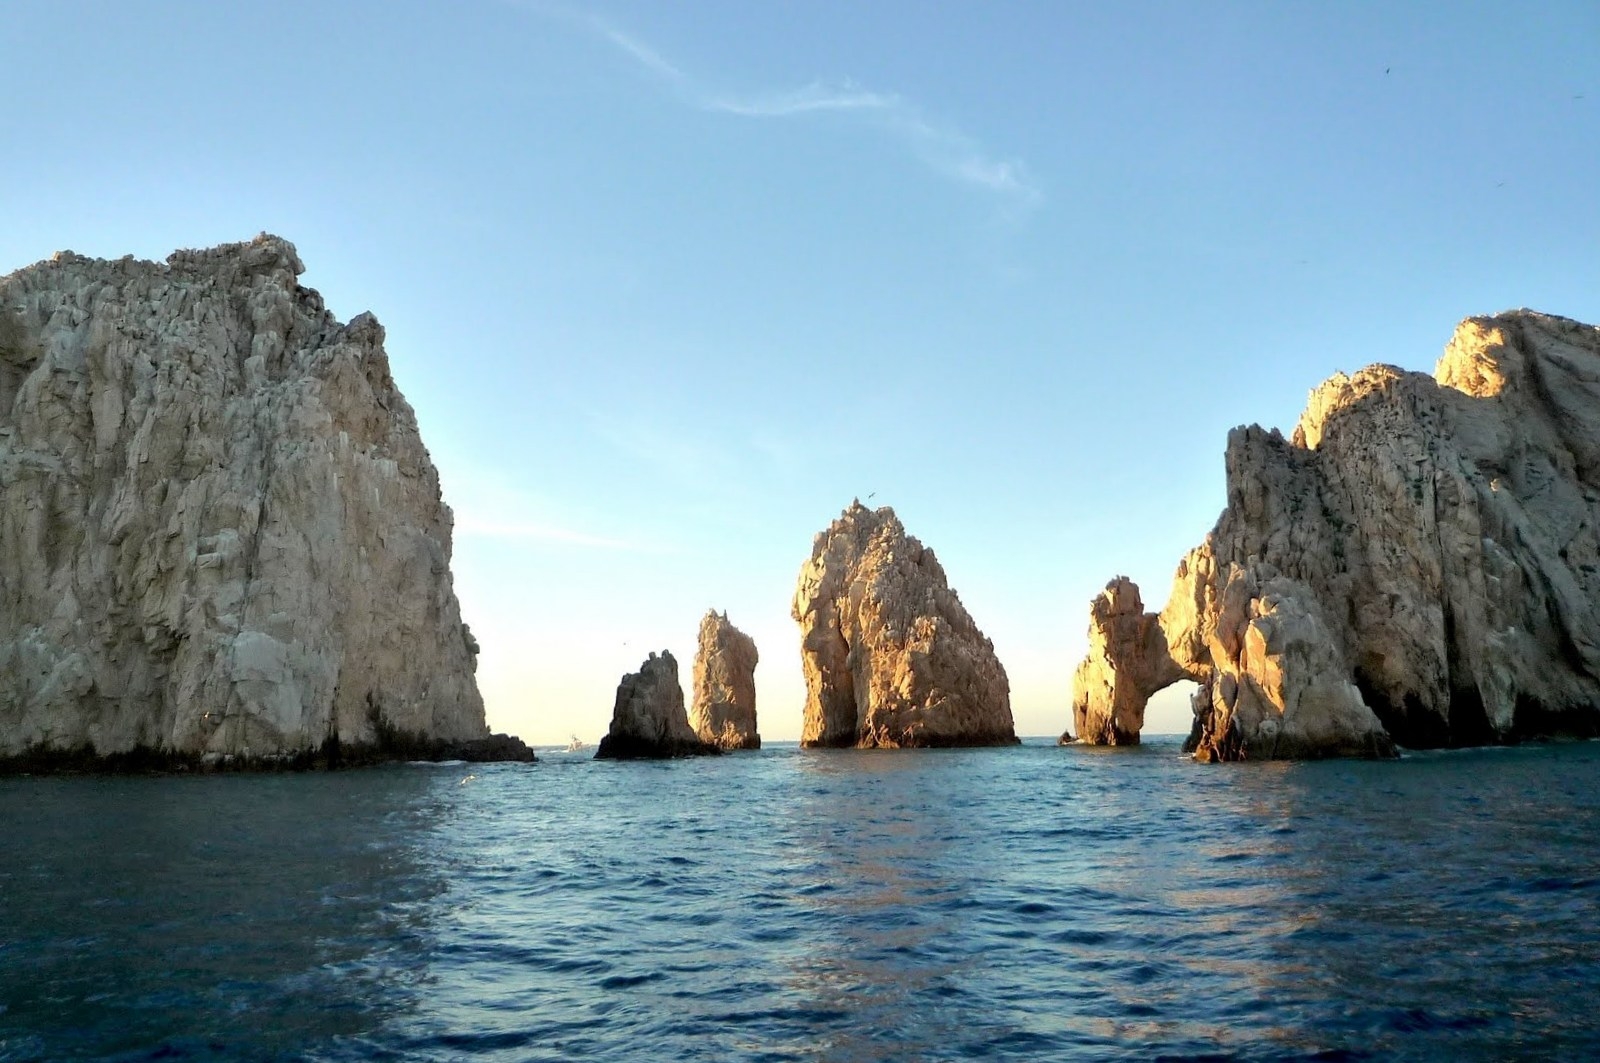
point(669, 284)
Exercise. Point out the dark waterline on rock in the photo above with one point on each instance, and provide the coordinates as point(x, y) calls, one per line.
point(784, 904)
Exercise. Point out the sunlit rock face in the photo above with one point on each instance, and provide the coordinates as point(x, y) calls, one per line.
point(724, 708)
point(891, 658)
point(1418, 564)
point(1127, 662)
point(219, 529)
point(648, 720)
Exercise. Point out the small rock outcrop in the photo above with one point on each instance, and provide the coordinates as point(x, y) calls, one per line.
point(724, 709)
point(891, 657)
point(220, 532)
point(649, 721)
point(1419, 564)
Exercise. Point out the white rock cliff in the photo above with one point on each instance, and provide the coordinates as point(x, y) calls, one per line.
point(890, 655)
point(723, 712)
point(1419, 564)
point(219, 529)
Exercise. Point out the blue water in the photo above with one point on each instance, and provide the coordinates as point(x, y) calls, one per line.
point(1032, 903)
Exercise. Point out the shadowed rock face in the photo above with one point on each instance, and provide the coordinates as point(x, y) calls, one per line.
point(891, 657)
point(220, 532)
point(1419, 564)
point(724, 710)
point(648, 720)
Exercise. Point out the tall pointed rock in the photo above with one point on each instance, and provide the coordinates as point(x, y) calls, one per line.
point(890, 655)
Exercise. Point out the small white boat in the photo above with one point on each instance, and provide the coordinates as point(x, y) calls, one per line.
point(576, 745)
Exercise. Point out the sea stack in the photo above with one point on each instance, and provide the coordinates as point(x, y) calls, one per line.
point(648, 720)
point(220, 532)
point(891, 658)
point(1418, 564)
point(724, 708)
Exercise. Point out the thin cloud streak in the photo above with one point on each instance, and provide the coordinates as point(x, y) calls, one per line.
point(642, 53)
point(944, 149)
point(817, 96)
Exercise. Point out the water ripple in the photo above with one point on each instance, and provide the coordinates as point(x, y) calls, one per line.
point(1014, 904)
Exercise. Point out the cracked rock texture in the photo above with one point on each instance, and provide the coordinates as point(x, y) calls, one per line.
point(648, 720)
point(1419, 564)
point(890, 655)
point(724, 708)
point(219, 529)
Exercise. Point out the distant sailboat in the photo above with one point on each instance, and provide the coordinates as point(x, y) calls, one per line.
point(576, 745)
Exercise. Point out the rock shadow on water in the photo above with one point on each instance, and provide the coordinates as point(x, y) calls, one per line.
point(224, 916)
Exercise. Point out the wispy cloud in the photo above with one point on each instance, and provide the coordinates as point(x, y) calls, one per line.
point(944, 148)
point(817, 96)
point(642, 53)
point(961, 158)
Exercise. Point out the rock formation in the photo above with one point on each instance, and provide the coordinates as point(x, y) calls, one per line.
point(1419, 564)
point(648, 720)
point(219, 529)
point(1127, 655)
point(891, 657)
point(724, 708)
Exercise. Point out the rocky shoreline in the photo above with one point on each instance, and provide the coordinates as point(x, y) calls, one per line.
point(330, 756)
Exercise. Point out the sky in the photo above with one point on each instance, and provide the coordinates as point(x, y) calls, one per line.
point(669, 285)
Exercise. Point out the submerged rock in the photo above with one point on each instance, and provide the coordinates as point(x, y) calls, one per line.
point(649, 720)
point(724, 708)
point(220, 532)
point(1419, 564)
point(891, 658)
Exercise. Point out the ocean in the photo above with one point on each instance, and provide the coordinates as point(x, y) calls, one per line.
point(1014, 904)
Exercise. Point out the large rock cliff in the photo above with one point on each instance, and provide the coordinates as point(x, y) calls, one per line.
point(1419, 564)
point(648, 720)
point(219, 529)
point(890, 655)
point(724, 708)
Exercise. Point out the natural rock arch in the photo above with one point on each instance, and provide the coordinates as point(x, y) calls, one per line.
point(1419, 563)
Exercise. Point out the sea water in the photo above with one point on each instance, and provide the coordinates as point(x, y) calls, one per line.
point(1025, 903)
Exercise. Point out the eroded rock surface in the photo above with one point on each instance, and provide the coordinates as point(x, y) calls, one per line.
point(648, 720)
point(220, 532)
point(724, 708)
point(1127, 657)
point(890, 655)
point(1418, 564)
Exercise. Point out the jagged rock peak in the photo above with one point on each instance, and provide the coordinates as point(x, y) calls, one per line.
point(648, 720)
point(219, 529)
point(724, 707)
point(890, 655)
point(1419, 564)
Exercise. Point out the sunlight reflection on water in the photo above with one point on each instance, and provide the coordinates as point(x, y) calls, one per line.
point(955, 904)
